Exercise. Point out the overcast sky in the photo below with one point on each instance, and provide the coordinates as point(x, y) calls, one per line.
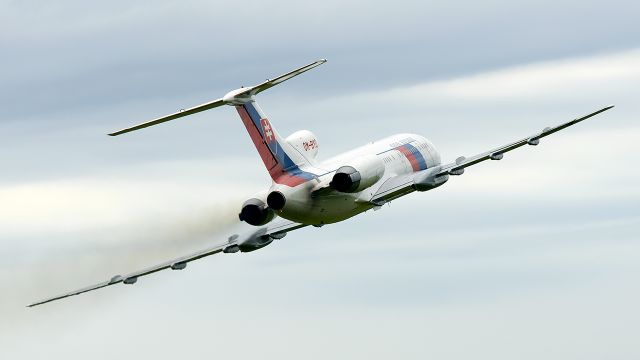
point(532, 257)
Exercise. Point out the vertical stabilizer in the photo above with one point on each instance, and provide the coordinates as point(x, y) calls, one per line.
point(279, 157)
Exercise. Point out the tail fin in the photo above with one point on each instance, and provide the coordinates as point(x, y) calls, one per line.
point(279, 157)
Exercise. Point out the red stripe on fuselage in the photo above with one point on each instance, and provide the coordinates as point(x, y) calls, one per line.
point(411, 157)
point(289, 180)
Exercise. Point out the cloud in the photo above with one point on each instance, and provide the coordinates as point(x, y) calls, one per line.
point(541, 81)
point(62, 234)
point(546, 236)
point(116, 196)
point(69, 55)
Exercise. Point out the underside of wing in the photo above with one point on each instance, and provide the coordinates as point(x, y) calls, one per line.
point(259, 238)
point(393, 188)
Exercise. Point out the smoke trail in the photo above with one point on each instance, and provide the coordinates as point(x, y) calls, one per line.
point(97, 254)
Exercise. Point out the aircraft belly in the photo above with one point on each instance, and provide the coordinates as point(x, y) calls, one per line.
point(337, 207)
point(327, 209)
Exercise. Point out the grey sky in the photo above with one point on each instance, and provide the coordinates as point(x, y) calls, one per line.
point(534, 256)
point(66, 56)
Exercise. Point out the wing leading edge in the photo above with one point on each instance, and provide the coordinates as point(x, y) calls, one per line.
point(457, 167)
point(277, 229)
point(433, 177)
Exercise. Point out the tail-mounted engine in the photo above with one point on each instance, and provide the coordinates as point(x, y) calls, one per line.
point(305, 142)
point(255, 212)
point(292, 203)
point(358, 175)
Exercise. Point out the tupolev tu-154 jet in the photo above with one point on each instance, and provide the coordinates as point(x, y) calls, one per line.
point(306, 191)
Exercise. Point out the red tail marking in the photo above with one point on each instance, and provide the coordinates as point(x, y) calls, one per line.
point(267, 130)
point(267, 158)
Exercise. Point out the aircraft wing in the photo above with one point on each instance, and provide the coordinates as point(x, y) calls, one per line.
point(403, 184)
point(457, 167)
point(276, 229)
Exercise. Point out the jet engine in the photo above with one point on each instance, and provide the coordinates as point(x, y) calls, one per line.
point(305, 142)
point(361, 173)
point(428, 179)
point(292, 203)
point(255, 212)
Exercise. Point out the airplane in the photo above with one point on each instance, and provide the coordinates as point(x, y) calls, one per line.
point(308, 192)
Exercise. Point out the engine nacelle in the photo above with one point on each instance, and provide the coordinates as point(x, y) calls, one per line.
point(305, 142)
point(255, 243)
point(427, 180)
point(361, 173)
point(255, 212)
point(292, 203)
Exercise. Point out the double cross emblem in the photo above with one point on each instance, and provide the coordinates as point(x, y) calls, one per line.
point(267, 131)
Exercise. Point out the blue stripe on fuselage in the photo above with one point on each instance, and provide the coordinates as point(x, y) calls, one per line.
point(414, 150)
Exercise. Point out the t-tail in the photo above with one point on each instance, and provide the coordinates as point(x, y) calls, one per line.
point(280, 158)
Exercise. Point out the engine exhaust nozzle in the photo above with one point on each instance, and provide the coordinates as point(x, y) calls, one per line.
point(276, 200)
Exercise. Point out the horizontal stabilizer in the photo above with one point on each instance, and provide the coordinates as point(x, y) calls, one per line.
point(282, 78)
point(179, 114)
point(232, 98)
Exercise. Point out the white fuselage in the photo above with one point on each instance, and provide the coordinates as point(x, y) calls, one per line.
point(307, 203)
